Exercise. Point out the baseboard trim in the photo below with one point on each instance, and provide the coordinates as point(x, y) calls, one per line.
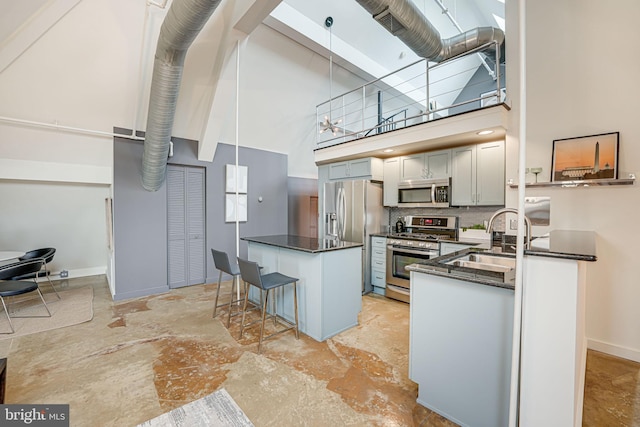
point(614, 350)
point(80, 272)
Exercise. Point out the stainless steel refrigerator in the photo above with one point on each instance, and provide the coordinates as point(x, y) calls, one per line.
point(352, 211)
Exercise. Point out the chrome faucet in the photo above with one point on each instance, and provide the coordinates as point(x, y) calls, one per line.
point(515, 211)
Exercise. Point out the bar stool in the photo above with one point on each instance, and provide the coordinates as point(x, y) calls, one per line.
point(221, 261)
point(250, 273)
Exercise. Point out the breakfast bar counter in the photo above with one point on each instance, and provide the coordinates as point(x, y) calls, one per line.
point(461, 331)
point(303, 244)
point(329, 285)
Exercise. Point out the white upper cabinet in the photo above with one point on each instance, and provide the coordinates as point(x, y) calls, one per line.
point(463, 176)
point(432, 164)
point(477, 175)
point(367, 168)
point(490, 184)
point(438, 164)
point(391, 179)
point(412, 167)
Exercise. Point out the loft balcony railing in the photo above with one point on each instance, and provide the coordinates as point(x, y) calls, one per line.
point(417, 93)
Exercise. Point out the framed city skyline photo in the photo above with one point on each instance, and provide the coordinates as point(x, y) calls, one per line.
point(585, 157)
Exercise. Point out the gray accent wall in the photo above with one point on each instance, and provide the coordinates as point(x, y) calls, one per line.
point(140, 217)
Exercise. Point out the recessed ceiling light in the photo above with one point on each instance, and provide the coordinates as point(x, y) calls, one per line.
point(485, 132)
point(388, 150)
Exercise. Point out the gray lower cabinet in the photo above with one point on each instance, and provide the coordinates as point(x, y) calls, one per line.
point(460, 348)
point(379, 264)
point(329, 286)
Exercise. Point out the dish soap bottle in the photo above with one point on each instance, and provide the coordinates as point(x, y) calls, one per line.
point(399, 225)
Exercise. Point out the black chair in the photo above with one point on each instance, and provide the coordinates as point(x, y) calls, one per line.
point(46, 254)
point(221, 261)
point(10, 288)
point(250, 273)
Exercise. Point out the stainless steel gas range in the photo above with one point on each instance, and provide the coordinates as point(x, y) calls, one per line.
point(420, 242)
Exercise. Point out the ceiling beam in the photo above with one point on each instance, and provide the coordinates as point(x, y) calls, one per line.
point(235, 21)
point(255, 14)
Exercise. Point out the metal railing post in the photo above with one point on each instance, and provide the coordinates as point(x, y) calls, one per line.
point(426, 87)
point(497, 74)
point(344, 121)
point(364, 104)
point(379, 111)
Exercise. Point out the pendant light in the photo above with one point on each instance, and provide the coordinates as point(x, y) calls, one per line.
point(327, 124)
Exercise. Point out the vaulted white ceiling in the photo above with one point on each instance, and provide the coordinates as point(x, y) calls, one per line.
point(16, 13)
point(362, 45)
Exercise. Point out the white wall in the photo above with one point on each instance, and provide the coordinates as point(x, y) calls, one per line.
point(69, 217)
point(582, 71)
point(281, 83)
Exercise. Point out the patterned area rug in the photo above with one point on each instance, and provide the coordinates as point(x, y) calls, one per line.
point(75, 306)
point(216, 409)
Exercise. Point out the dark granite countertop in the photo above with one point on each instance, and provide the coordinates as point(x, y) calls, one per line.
point(563, 244)
point(439, 267)
point(566, 244)
point(463, 240)
point(303, 244)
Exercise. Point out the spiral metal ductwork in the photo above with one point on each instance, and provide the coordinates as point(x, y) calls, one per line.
point(184, 21)
point(404, 20)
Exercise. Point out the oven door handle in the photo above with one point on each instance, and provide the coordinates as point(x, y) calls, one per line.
point(413, 251)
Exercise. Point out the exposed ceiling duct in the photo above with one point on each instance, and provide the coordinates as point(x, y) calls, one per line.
point(183, 23)
point(403, 19)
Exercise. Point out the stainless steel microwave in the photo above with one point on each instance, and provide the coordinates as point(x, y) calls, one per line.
point(425, 193)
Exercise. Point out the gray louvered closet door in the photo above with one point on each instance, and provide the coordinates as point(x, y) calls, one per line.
point(185, 225)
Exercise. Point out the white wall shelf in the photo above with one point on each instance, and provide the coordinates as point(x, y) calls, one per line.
point(581, 183)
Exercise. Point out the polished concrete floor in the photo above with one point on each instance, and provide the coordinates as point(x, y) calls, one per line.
point(140, 358)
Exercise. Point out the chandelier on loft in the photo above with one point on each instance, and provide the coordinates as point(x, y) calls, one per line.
point(328, 124)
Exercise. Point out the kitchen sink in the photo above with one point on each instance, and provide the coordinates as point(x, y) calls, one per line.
point(499, 266)
point(480, 266)
point(500, 262)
